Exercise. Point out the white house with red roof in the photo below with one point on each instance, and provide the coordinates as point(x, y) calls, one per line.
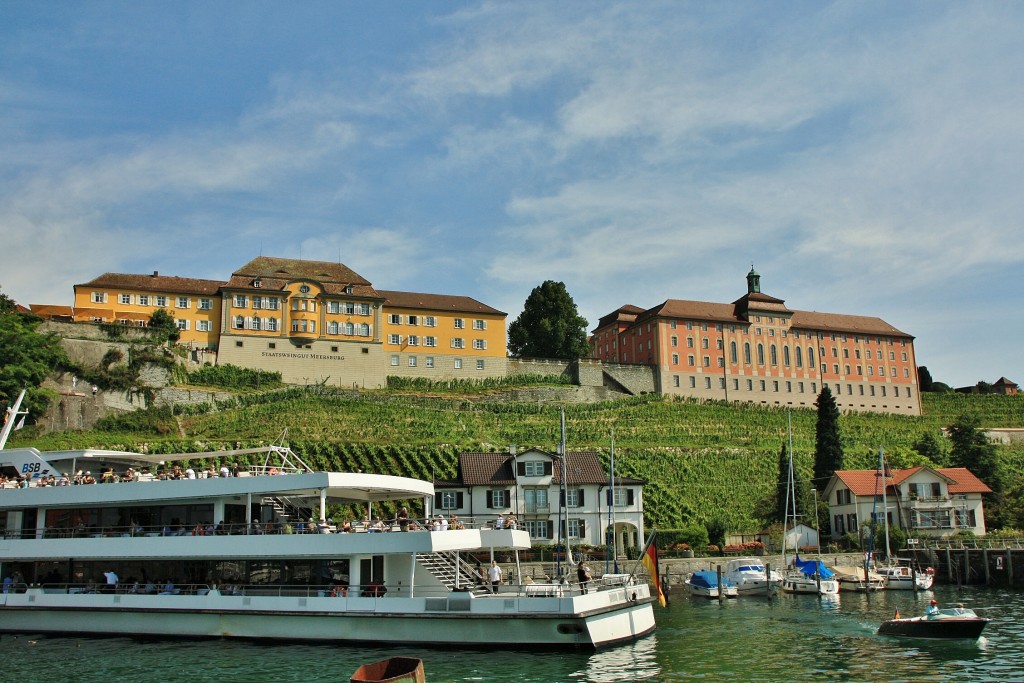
point(923, 500)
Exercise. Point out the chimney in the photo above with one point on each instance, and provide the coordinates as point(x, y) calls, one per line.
point(156, 273)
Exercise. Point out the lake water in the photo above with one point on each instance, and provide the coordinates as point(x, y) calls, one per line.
point(789, 638)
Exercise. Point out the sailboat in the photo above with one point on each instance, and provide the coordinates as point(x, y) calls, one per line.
point(897, 576)
point(806, 576)
point(865, 579)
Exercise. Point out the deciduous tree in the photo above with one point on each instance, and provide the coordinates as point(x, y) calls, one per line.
point(549, 326)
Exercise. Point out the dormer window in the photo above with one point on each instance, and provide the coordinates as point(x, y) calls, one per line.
point(256, 283)
point(535, 468)
point(348, 289)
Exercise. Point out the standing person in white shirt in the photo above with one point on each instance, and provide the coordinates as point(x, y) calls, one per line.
point(494, 573)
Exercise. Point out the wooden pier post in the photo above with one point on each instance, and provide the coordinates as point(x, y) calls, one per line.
point(721, 588)
point(949, 565)
point(984, 558)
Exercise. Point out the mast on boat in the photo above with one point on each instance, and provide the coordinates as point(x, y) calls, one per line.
point(885, 502)
point(12, 415)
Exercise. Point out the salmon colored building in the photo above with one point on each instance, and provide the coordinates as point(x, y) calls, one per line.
point(758, 350)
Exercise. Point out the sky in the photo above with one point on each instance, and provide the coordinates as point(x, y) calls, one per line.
point(865, 157)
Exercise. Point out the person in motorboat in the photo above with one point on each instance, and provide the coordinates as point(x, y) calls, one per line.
point(933, 609)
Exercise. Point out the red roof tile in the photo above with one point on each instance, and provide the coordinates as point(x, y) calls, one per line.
point(436, 302)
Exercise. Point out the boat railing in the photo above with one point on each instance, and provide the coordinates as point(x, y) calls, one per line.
point(208, 528)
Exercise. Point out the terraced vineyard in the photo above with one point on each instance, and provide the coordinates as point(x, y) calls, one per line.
point(702, 461)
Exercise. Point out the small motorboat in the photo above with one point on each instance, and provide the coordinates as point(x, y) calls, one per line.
point(704, 584)
point(957, 622)
point(903, 577)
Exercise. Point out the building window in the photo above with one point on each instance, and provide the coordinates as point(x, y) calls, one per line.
point(675, 381)
point(479, 363)
point(349, 329)
point(203, 325)
point(412, 361)
point(395, 319)
point(690, 360)
point(533, 468)
point(480, 344)
point(430, 341)
point(746, 353)
point(240, 301)
point(689, 342)
point(733, 358)
point(760, 354)
point(707, 382)
point(675, 341)
point(412, 340)
point(126, 299)
point(333, 328)
point(458, 343)
point(675, 359)
point(182, 323)
point(497, 499)
point(457, 363)
point(394, 339)
point(459, 323)
point(394, 361)
point(429, 361)
point(143, 299)
point(413, 319)
point(272, 324)
point(205, 304)
point(239, 322)
point(99, 297)
point(479, 324)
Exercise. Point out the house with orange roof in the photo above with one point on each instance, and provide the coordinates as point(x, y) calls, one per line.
point(758, 350)
point(922, 500)
point(528, 484)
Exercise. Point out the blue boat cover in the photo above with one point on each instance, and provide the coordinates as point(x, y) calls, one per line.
point(812, 567)
point(707, 579)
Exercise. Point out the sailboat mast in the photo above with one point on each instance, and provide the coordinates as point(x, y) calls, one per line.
point(885, 501)
point(12, 416)
point(790, 494)
point(610, 532)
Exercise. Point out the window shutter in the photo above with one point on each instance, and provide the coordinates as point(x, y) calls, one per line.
point(521, 468)
point(579, 498)
point(547, 469)
point(490, 499)
point(629, 496)
point(458, 500)
point(583, 528)
point(608, 496)
point(548, 531)
point(561, 498)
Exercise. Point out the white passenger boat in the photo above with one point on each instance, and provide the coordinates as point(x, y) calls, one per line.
point(254, 556)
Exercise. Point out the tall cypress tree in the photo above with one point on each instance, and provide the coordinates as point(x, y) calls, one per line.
point(828, 445)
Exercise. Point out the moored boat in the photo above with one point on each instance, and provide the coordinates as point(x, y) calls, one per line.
point(705, 584)
point(751, 577)
point(256, 556)
point(810, 577)
point(957, 622)
point(904, 577)
point(855, 579)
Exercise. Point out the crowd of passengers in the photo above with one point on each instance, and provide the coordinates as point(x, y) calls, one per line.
point(109, 476)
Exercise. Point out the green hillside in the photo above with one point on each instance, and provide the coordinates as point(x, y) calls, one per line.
point(702, 461)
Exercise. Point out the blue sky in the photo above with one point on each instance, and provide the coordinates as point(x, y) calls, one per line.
point(865, 157)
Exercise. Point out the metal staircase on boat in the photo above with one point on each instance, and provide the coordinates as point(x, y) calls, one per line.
point(443, 564)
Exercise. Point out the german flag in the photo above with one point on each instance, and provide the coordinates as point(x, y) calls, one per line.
point(650, 562)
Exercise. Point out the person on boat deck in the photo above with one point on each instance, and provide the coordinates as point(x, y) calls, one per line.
point(169, 588)
point(478, 574)
point(499, 523)
point(403, 519)
point(583, 575)
point(346, 527)
point(494, 573)
point(112, 580)
point(443, 521)
point(933, 608)
point(190, 473)
point(511, 522)
point(224, 471)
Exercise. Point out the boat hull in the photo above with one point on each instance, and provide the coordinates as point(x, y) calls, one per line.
point(922, 627)
point(521, 621)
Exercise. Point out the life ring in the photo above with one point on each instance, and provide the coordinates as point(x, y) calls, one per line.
point(929, 570)
point(339, 591)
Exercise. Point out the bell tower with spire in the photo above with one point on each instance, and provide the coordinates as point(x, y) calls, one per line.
point(753, 281)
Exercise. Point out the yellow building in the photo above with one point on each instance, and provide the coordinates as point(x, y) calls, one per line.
point(312, 321)
point(442, 336)
point(132, 300)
